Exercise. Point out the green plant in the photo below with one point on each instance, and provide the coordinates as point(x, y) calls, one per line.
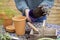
point(10, 12)
point(7, 13)
point(5, 36)
point(6, 10)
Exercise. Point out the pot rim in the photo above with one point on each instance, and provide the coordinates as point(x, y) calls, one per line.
point(46, 38)
point(7, 19)
point(14, 18)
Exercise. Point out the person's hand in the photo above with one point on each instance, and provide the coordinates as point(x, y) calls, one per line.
point(27, 14)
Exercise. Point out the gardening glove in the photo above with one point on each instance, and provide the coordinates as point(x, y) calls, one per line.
point(45, 8)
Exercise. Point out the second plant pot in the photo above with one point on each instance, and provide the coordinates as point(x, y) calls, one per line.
point(19, 23)
point(7, 22)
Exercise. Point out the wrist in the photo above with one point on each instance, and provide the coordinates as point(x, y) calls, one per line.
point(27, 12)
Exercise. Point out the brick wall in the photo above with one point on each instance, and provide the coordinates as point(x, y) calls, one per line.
point(8, 3)
point(12, 5)
point(54, 16)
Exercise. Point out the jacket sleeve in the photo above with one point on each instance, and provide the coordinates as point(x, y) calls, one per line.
point(47, 3)
point(21, 5)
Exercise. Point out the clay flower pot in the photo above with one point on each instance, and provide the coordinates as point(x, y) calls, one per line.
point(19, 23)
point(46, 39)
point(7, 22)
point(10, 28)
point(0, 16)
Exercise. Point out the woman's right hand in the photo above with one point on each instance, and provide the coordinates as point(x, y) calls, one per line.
point(27, 14)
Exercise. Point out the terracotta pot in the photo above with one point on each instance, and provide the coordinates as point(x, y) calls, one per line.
point(45, 39)
point(0, 16)
point(7, 22)
point(10, 28)
point(19, 23)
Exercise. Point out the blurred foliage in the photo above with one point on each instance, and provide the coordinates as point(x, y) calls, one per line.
point(10, 12)
point(6, 10)
point(5, 36)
